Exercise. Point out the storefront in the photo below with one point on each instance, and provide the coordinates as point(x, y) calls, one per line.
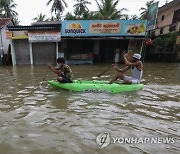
point(44, 45)
point(89, 41)
point(37, 44)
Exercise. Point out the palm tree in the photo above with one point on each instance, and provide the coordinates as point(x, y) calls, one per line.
point(144, 13)
point(108, 9)
point(69, 16)
point(52, 18)
point(130, 17)
point(58, 7)
point(16, 21)
point(80, 8)
point(1, 14)
point(7, 8)
point(93, 15)
point(2, 2)
point(40, 17)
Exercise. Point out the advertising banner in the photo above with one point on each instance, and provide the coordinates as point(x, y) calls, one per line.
point(9, 35)
point(44, 36)
point(105, 28)
point(85, 28)
point(152, 15)
point(17, 35)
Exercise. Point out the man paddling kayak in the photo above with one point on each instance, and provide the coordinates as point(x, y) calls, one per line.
point(136, 67)
point(63, 71)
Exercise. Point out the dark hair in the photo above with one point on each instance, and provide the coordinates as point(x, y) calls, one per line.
point(60, 60)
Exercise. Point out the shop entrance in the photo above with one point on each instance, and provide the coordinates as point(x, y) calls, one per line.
point(79, 49)
point(43, 52)
point(108, 47)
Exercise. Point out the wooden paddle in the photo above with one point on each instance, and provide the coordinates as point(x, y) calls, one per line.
point(105, 71)
point(47, 71)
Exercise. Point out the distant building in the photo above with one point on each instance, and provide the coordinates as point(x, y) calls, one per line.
point(89, 41)
point(35, 44)
point(168, 19)
point(78, 41)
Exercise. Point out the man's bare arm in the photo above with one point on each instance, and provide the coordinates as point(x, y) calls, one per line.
point(54, 69)
point(131, 64)
point(122, 70)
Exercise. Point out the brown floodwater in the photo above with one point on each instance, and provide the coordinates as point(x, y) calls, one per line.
point(38, 119)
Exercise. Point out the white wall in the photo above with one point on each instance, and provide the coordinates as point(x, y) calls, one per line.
point(168, 16)
point(5, 42)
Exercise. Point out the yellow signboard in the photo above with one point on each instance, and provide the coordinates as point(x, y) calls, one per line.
point(20, 35)
point(9, 35)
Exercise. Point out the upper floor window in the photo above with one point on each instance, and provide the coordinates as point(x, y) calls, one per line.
point(176, 17)
point(162, 18)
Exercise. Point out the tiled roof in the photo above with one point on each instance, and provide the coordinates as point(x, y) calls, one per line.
point(4, 21)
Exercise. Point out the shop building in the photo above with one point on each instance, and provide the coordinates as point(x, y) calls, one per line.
point(35, 44)
point(79, 41)
point(88, 41)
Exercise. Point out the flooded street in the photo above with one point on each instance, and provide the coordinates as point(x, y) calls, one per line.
point(38, 119)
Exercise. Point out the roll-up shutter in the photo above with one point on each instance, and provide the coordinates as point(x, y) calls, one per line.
point(22, 51)
point(43, 52)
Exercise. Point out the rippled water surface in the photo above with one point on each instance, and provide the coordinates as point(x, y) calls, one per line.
point(38, 119)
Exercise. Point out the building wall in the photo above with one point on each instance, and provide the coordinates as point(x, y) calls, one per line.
point(168, 16)
point(4, 42)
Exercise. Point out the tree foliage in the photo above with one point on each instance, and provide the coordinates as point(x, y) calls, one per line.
point(166, 42)
point(40, 17)
point(58, 7)
point(80, 8)
point(7, 9)
point(144, 13)
point(108, 10)
point(16, 21)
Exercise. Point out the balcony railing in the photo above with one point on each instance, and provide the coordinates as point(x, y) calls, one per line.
point(172, 28)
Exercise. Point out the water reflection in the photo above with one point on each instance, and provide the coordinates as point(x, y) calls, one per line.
point(36, 118)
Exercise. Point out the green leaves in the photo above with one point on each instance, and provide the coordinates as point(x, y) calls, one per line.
point(7, 9)
point(165, 43)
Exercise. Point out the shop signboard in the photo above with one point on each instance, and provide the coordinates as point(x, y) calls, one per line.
point(8, 35)
point(40, 36)
point(16, 35)
point(85, 28)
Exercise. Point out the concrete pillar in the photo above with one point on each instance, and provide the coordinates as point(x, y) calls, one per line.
point(96, 47)
point(31, 53)
point(57, 54)
point(13, 52)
